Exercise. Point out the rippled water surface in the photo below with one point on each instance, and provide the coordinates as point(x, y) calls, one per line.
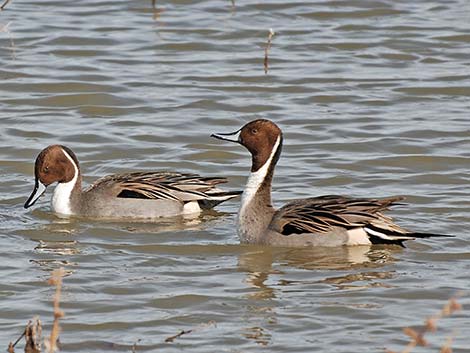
point(373, 98)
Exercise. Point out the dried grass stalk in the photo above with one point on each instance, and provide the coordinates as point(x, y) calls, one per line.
point(4, 4)
point(134, 346)
point(33, 336)
point(266, 50)
point(430, 325)
point(55, 280)
point(185, 332)
point(447, 347)
point(33, 331)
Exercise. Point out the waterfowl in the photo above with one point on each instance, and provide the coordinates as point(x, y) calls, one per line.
point(130, 195)
point(330, 220)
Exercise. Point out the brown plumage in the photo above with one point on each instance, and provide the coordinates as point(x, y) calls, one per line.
point(321, 214)
point(161, 185)
point(318, 221)
point(127, 195)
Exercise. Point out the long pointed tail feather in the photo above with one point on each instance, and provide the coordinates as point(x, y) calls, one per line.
point(217, 198)
point(429, 235)
point(382, 236)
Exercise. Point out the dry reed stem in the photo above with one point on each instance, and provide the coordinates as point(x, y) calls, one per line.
point(266, 50)
point(11, 346)
point(33, 330)
point(185, 332)
point(416, 336)
point(134, 346)
point(4, 4)
point(430, 325)
point(6, 29)
point(179, 334)
point(55, 280)
point(33, 336)
point(447, 347)
point(156, 11)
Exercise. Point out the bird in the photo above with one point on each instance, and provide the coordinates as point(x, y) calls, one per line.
point(135, 195)
point(329, 220)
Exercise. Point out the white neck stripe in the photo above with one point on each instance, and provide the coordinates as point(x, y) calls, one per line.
point(256, 178)
point(63, 191)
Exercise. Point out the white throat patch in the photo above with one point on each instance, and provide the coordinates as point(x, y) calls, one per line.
point(255, 179)
point(63, 191)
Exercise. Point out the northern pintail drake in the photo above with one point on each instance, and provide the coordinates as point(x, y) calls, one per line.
point(132, 195)
point(329, 220)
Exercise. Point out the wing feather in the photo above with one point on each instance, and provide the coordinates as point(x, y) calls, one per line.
point(322, 214)
point(183, 187)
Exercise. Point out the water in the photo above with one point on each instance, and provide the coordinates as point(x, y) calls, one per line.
point(373, 99)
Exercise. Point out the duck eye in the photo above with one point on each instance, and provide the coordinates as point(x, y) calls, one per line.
point(254, 131)
point(46, 169)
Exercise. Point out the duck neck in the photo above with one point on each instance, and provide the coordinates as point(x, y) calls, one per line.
point(256, 210)
point(66, 197)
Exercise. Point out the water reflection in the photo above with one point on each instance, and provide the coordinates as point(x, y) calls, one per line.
point(337, 258)
point(371, 279)
point(263, 263)
point(63, 248)
point(73, 225)
point(373, 98)
point(258, 334)
point(157, 11)
point(258, 265)
point(48, 223)
point(56, 249)
point(190, 222)
point(60, 242)
point(260, 261)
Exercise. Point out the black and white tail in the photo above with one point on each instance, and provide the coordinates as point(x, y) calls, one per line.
point(214, 198)
point(386, 236)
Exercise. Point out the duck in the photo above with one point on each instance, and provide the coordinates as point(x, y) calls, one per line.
point(329, 220)
point(134, 195)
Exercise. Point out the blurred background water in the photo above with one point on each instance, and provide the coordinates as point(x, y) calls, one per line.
point(373, 99)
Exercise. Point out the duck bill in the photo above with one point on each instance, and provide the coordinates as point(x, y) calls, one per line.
point(39, 189)
point(221, 136)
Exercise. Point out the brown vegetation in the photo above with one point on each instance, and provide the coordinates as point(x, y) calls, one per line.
point(33, 330)
point(156, 11)
point(185, 332)
point(266, 50)
point(34, 340)
point(430, 325)
point(2, 7)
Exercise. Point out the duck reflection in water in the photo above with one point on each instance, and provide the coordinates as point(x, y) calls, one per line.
point(267, 269)
point(58, 239)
